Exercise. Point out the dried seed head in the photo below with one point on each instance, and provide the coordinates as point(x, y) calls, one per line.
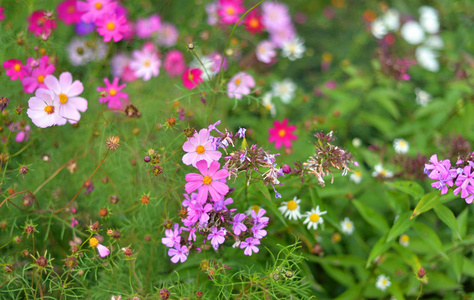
point(114, 199)
point(127, 252)
point(25, 253)
point(147, 159)
point(17, 240)
point(116, 234)
point(289, 274)
point(71, 262)
point(171, 121)
point(42, 261)
point(147, 238)
point(27, 199)
point(199, 294)
point(105, 179)
point(94, 226)
point(157, 170)
point(9, 268)
point(104, 212)
point(164, 294)
point(113, 143)
point(29, 229)
point(145, 199)
point(189, 132)
point(3, 224)
point(168, 224)
point(4, 101)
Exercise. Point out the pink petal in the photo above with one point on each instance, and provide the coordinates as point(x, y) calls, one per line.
point(75, 89)
point(188, 158)
point(65, 81)
point(203, 193)
point(202, 167)
point(189, 146)
point(192, 186)
point(79, 103)
point(53, 84)
point(220, 187)
point(103, 251)
point(221, 174)
point(213, 168)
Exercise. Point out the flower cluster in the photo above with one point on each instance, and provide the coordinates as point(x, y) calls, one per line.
point(459, 177)
point(205, 212)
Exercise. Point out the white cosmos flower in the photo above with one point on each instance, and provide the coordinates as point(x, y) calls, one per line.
point(206, 67)
point(412, 32)
point(267, 102)
point(285, 90)
point(347, 226)
point(78, 52)
point(293, 48)
point(356, 177)
point(145, 64)
point(429, 19)
point(383, 282)
point(313, 218)
point(422, 97)
point(390, 21)
point(380, 171)
point(291, 209)
point(434, 42)
point(427, 58)
point(401, 146)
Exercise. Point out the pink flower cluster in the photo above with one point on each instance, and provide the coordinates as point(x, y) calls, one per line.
point(205, 212)
point(460, 176)
point(32, 74)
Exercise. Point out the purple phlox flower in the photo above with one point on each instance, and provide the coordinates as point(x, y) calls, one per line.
point(258, 231)
point(241, 133)
point(465, 184)
point(178, 253)
point(444, 180)
point(192, 233)
point(243, 156)
point(437, 167)
point(196, 211)
point(237, 226)
point(213, 127)
point(208, 182)
point(250, 245)
point(173, 237)
point(221, 204)
point(217, 237)
point(258, 218)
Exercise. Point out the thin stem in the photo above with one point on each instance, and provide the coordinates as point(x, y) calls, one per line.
point(13, 195)
point(421, 290)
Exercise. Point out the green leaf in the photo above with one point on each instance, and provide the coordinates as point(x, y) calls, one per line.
point(396, 292)
point(468, 267)
point(371, 216)
point(402, 224)
point(440, 281)
point(380, 247)
point(351, 293)
point(410, 258)
point(462, 221)
point(448, 218)
point(426, 203)
point(341, 276)
point(430, 237)
point(408, 187)
point(456, 264)
point(268, 202)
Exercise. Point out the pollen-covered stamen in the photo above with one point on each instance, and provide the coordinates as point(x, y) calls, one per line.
point(254, 23)
point(207, 180)
point(230, 11)
point(49, 109)
point(17, 67)
point(282, 132)
point(147, 63)
point(110, 26)
point(238, 81)
point(98, 5)
point(200, 149)
point(40, 78)
point(314, 218)
point(63, 98)
point(112, 92)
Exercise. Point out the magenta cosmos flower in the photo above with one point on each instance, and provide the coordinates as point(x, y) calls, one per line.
point(40, 23)
point(15, 69)
point(94, 9)
point(240, 85)
point(111, 26)
point(68, 13)
point(43, 109)
point(208, 182)
point(37, 70)
point(66, 93)
point(192, 78)
point(103, 250)
point(114, 97)
point(229, 10)
point(174, 63)
point(199, 147)
point(281, 133)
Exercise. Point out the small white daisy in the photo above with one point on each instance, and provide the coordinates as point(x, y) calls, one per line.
point(79, 52)
point(313, 217)
point(401, 146)
point(429, 19)
point(293, 48)
point(268, 104)
point(380, 171)
point(291, 209)
point(285, 90)
point(383, 282)
point(404, 240)
point(356, 177)
point(422, 97)
point(356, 142)
point(347, 226)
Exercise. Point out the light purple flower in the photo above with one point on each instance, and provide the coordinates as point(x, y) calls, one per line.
point(167, 35)
point(465, 184)
point(258, 231)
point(145, 64)
point(275, 16)
point(197, 212)
point(258, 218)
point(237, 226)
point(217, 237)
point(146, 27)
point(199, 147)
point(265, 51)
point(240, 85)
point(208, 182)
point(250, 245)
point(103, 251)
point(222, 204)
point(43, 109)
point(241, 133)
point(172, 236)
point(178, 253)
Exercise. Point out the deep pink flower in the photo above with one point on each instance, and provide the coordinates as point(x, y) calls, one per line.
point(23, 132)
point(240, 85)
point(94, 9)
point(199, 147)
point(68, 13)
point(253, 22)
point(40, 23)
point(208, 182)
point(15, 69)
point(192, 78)
point(111, 26)
point(2, 15)
point(38, 69)
point(250, 245)
point(174, 63)
point(229, 10)
point(281, 133)
point(114, 97)
point(146, 27)
point(178, 253)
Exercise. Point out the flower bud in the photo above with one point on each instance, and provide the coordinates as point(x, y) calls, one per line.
point(421, 273)
point(286, 169)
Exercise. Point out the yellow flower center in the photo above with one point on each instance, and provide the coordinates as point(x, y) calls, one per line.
point(256, 208)
point(71, 9)
point(17, 67)
point(384, 281)
point(403, 143)
point(282, 132)
point(93, 242)
point(254, 23)
point(112, 92)
point(314, 218)
point(207, 180)
point(238, 81)
point(292, 205)
point(230, 11)
point(49, 109)
point(405, 238)
point(383, 172)
point(191, 76)
point(110, 26)
point(200, 149)
point(98, 5)
point(147, 63)
point(62, 98)
point(349, 225)
point(40, 78)
point(358, 173)
point(327, 57)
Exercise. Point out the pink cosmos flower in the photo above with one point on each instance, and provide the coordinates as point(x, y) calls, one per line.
point(103, 251)
point(2, 15)
point(275, 15)
point(66, 93)
point(167, 35)
point(212, 15)
point(192, 78)
point(146, 27)
point(114, 97)
point(94, 9)
point(111, 26)
point(250, 245)
point(145, 64)
point(38, 69)
point(68, 13)
point(178, 253)
point(199, 147)
point(240, 85)
point(282, 35)
point(40, 24)
point(43, 109)
point(15, 69)
point(281, 134)
point(216, 59)
point(265, 51)
point(23, 132)
point(229, 10)
point(174, 63)
point(208, 182)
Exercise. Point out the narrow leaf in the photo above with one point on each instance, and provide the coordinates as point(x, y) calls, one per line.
point(408, 187)
point(401, 225)
point(426, 203)
point(448, 218)
point(379, 248)
point(371, 216)
point(430, 237)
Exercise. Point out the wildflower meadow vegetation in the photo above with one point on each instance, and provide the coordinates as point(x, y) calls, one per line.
point(236, 149)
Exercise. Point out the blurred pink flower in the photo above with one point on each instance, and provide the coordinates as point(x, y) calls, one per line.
point(240, 85)
point(265, 51)
point(37, 70)
point(43, 109)
point(103, 251)
point(229, 10)
point(40, 24)
point(114, 97)
point(167, 35)
point(111, 26)
point(146, 27)
point(199, 147)
point(2, 15)
point(94, 9)
point(145, 64)
point(68, 13)
point(282, 35)
point(253, 22)
point(174, 63)
point(15, 69)
point(23, 132)
point(212, 15)
point(216, 59)
point(281, 134)
point(192, 78)
point(275, 16)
